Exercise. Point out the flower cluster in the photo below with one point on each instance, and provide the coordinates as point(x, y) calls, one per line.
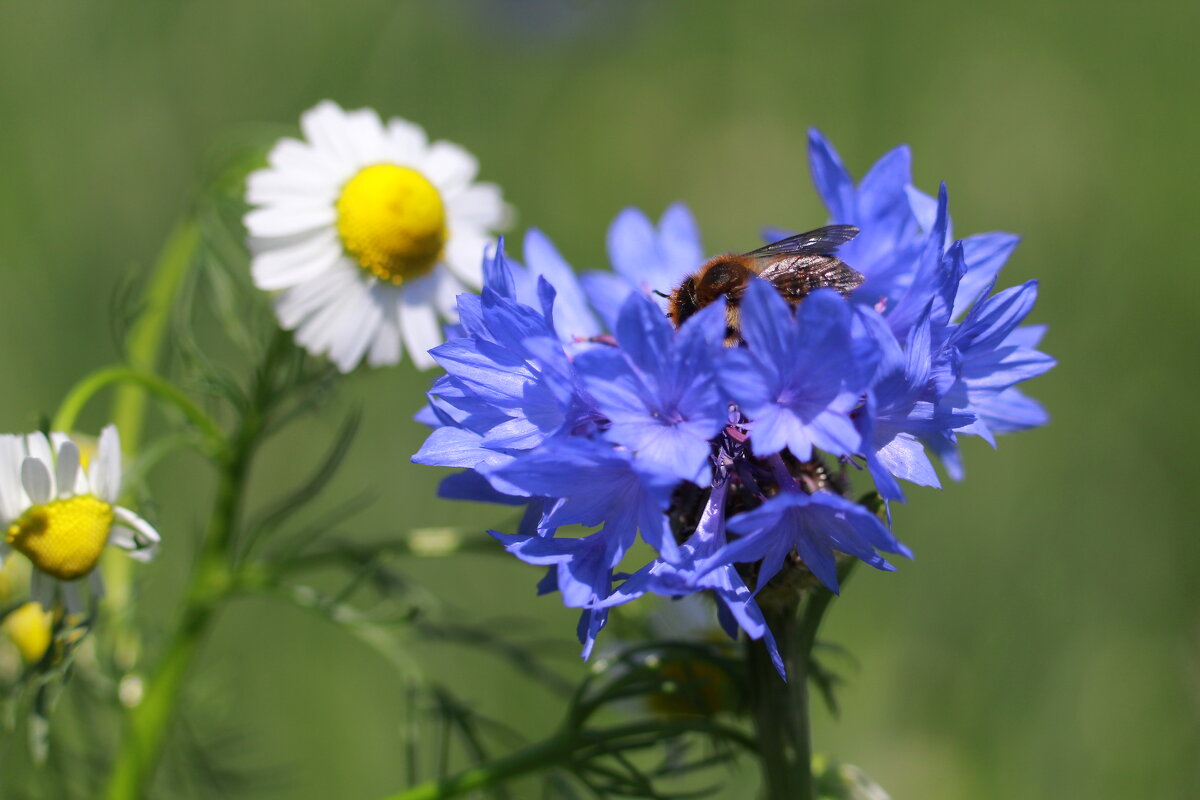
point(578, 399)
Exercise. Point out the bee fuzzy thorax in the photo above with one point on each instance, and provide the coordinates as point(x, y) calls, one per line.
point(795, 266)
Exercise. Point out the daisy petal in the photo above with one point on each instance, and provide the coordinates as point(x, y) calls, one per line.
point(418, 321)
point(35, 477)
point(285, 267)
point(286, 221)
point(305, 162)
point(144, 534)
point(480, 205)
point(386, 349)
point(406, 142)
point(12, 496)
point(325, 126)
point(268, 186)
point(106, 470)
point(358, 325)
point(66, 468)
point(295, 305)
point(464, 256)
point(449, 167)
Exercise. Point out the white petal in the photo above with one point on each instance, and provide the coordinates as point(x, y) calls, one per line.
point(80, 485)
point(38, 447)
point(366, 137)
point(325, 126)
point(449, 167)
point(358, 323)
point(105, 472)
point(464, 255)
point(307, 163)
point(346, 136)
point(406, 142)
point(96, 583)
point(324, 329)
point(386, 350)
point(287, 221)
point(66, 468)
point(122, 537)
point(479, 205)
point(35, 477)
point(297, 304)
point(446, 297)
point(134, 534)
point(419, 322)
point(284, 267)
point(267, 244)
point(269, 186)
point(13, 499)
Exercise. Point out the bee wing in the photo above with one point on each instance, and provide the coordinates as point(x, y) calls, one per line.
point(822, 241)
point(796, 276)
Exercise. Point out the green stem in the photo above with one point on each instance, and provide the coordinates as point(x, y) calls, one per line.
point(780, 709)
point(84, 390)
point(146, 334)
point(211, 582)
point(561, 750)
point(143, 345)
point(544, 755)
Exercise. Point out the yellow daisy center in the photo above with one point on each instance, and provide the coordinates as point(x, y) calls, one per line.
point(63, 538)
point(392, 221)
point(28, 628)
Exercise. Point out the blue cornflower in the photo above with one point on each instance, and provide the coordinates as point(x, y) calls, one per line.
point(799, 377)
point(814, 526)
point(916, 271)
point(658, 388)
point(508, 385)
point(573, 318)
point(880, 205)
point(901, 408)
point(694, 571)
point(579, 400)
point(645, 260)
point(595, 484)
point(993, 354)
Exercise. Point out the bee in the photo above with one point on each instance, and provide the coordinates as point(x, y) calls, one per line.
point(795, 266)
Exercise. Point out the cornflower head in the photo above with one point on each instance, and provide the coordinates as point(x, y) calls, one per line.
point(730, 457)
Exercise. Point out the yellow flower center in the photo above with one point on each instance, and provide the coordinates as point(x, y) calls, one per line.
point(29, 629)
point(392, 222)
point(63, 538)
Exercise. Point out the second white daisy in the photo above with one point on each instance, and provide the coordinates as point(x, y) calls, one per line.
point(368, 232)
point(60, 513)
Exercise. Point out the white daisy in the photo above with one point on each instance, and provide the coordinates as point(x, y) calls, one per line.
point(60, 512)
point(368, 231)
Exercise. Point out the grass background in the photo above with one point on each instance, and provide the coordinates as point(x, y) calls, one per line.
point(1046, 641)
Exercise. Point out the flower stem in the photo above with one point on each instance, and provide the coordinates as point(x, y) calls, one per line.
point(81, 392)
point(780, 709)
point(146, 334)
point(211, 582)
point(142, 347)
point(543, 755)
point(570, 745)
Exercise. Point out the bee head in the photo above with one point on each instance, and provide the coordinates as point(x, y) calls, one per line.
point(683, 302)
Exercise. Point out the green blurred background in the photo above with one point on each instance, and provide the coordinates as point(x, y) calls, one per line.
point(1046, 641)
